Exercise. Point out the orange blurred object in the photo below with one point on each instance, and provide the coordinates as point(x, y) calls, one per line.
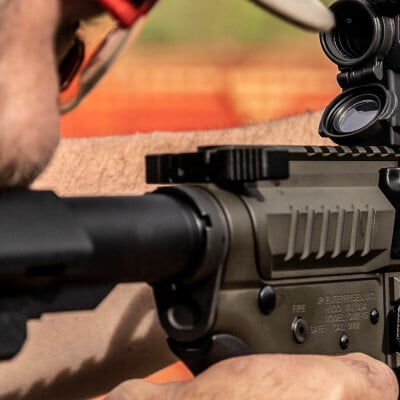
point(175, 373)
point(123, 10)
point(182, 89)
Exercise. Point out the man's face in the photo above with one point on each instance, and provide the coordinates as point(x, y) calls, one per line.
point(35, 35)
point(29, 82)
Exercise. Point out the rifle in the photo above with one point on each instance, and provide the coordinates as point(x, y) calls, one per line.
point(249, 249)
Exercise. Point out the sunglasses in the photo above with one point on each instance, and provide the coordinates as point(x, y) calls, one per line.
point(79, 77)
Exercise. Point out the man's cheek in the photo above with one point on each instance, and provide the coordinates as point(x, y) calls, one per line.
point(29, 118)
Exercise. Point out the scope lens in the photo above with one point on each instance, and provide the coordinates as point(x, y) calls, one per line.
point(357, 116)
point(360, 116)
point(355, 35)
point(354, 32)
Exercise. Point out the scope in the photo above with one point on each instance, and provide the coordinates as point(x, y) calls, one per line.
point(366, 48)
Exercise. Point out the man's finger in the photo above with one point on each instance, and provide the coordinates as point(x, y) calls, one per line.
point(381, 380)
point(350, 377)
point(309, 14)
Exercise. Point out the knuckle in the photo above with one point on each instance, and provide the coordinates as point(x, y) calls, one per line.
point(246, 364)
point(360, 357)
point(379, 377)
point(236, 365)
point(386, 381)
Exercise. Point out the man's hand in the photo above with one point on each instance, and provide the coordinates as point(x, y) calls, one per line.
point(278, 377)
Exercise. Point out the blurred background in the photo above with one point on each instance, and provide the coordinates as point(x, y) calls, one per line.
point(204, 65)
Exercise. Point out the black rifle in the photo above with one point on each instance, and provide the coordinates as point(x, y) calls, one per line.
point(291, 249)
point(255, 249)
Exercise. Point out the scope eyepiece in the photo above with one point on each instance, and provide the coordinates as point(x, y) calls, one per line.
point(359, 116)
point(357, 35)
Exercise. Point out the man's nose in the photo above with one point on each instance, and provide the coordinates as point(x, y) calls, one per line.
point(309, 14)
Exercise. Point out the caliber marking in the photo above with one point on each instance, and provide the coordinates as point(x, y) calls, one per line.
point(354, 232)
point(339, 233)
point(292, 234)
point(369, 231)
point(308, 234)
point(324, 233)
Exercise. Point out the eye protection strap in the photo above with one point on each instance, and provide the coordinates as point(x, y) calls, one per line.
point(123, 10)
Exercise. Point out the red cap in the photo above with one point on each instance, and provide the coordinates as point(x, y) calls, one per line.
point(123, 10)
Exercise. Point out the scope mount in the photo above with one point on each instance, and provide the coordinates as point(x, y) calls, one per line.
point(232, 164)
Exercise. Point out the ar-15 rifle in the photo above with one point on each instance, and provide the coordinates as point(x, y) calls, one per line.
point(256, 249)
